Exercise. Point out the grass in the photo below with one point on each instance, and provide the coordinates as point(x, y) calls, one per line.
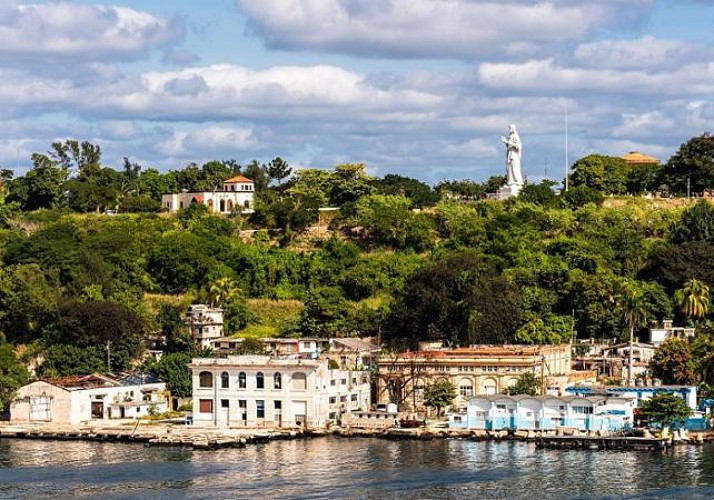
point(270, 315)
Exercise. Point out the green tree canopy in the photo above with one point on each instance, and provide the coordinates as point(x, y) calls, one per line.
point(664, 408)
point(693, 163)
point(439, 395)
point(527, 383)
point(672, 363)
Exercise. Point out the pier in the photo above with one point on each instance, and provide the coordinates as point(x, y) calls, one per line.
point(601, 443)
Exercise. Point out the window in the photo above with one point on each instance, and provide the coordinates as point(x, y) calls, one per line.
point(278, 405)
point(241, 380)
point(224, 380)
point(205, 406)
point(259, 381)
point(243, 409)
point(332, 382)
point(260, 408)
point(353, 397)
point(343, 381)
point(278, 380)
point(343, 399)
point(299, 381)
point(466, 391)
point(205, 379)
point(333, 400)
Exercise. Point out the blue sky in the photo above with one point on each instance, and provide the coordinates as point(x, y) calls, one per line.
point(423, 88)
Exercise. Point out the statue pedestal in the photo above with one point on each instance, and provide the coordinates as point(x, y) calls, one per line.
point(508, 190)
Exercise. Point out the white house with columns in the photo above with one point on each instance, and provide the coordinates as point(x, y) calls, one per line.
point(236, 195)
point(264, 391)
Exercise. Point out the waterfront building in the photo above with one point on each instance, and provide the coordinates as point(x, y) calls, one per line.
point(522, 412)
point(236, 195)
point(205, 324)
point(476, 370)
point(83, 398)
point(640, 393)
point(267, 391)
point(658, 333)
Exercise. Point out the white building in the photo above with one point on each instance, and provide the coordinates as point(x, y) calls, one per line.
point(236, 195)
point(205, 324)
point(77, 399)
point(660, 333)
point(497, 412)
point(263, 391)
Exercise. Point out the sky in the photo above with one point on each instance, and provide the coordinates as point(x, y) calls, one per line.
point(422, 88)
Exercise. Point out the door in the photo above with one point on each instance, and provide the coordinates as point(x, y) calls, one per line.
point(223, 415)
point(40, 409)
point(300, 412)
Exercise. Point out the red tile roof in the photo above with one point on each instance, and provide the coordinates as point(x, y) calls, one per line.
point(237, 178)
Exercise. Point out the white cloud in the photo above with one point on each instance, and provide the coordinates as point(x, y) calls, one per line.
point(547, 76)
point(90, 32)
point(429, 28)
point(203, 140)
point(643, 53)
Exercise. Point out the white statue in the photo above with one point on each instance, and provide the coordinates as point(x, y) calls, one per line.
point(514, 149)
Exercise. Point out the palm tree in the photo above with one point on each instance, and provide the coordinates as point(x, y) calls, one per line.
point(222, 290)
point(630, 299)
point(693, 299)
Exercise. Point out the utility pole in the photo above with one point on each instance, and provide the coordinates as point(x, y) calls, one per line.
point(567, 167)
point(109, 356)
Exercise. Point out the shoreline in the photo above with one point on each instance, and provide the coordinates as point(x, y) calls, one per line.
point(198, 438)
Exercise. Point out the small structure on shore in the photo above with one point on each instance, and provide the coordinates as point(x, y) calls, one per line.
point(83, 398)
point(499, 412)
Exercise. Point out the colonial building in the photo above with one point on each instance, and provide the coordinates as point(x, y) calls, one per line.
point(205, 324)
point(236, 195)
point(77, 399)
point(473, 371)
point(265, 391)
point(596, 413)
point(637, 158)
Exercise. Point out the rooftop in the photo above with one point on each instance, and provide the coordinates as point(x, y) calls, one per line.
point(238, 179)
point(635, 157)
point(95, 380)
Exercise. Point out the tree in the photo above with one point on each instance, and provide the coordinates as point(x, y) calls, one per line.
point(388, 220)
point(527, 383)
point(630, 301)
point(174, 370)
point(540, 194)
point(672, 363)
point(439, 395)
point(278, 169)
point(222, 290)
point(693, 299)
point(13, 374)
point(607, 174)
point(692, 165)
point(420, 194)
point(696, 224)
point(664, 408)
point(258, 174)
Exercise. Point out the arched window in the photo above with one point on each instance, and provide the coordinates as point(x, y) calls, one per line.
point(259, 381)
point(205, 379)
point(224, 380)
point(241, 380)
point(278, 380)
point(299, 381)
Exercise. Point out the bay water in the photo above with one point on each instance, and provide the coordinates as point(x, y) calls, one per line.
point(334, 467)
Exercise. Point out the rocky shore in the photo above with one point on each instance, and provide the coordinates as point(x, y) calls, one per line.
point(210, 439)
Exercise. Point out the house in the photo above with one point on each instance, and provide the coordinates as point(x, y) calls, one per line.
point(658, 333)
point(268, 391)
point(640, 393)
point(522, 412)
point(84, 398)
point(236, 195)
point(476, 370)
point(205, 324)
point(637, 158)
point(353, 353)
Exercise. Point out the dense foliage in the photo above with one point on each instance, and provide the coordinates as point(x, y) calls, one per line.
point(400, 260)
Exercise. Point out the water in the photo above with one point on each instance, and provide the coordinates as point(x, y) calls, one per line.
point(349, 468)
